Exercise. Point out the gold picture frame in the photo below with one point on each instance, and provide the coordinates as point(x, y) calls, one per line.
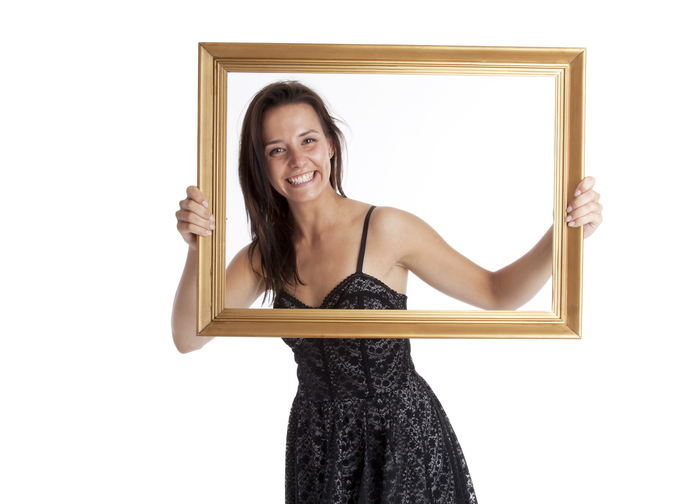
point(565, 65)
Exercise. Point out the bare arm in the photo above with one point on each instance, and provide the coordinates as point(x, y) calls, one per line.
point(183, 318)
point(520, 281)
point(423, 252)
point(243, 284)
point(517, 283)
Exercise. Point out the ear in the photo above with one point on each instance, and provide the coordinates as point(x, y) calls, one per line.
point(331, 147)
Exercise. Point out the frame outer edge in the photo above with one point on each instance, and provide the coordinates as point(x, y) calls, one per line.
point(205, 154)
point(576, 172)
point(378, 52)
point(211, 150)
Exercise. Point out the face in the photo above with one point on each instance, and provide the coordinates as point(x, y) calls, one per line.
point(297, 152)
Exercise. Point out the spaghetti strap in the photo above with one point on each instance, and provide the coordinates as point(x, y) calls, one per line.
point(362, 250)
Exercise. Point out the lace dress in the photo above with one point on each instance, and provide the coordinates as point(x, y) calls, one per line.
point(364, 426)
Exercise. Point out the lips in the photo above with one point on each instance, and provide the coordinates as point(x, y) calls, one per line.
point(301, 179)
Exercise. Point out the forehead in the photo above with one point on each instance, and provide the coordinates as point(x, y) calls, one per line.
point(289, 119)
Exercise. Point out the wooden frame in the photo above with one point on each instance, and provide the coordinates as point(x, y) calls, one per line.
point(565, 65)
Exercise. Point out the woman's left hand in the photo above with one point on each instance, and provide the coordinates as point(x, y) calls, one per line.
point(585, 210)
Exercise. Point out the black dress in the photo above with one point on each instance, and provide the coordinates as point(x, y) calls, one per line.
point(364, 426)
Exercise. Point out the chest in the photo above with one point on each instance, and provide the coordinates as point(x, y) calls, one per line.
point(323, 265)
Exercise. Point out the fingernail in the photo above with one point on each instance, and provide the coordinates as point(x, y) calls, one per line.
point(204, 204)
point(212, 226)
point(571, 224)
point(569, 209)
point(567, 219)
point(578, 193)
point(211, 218)
point(208, 232)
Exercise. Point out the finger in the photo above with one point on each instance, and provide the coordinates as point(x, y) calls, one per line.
point(585, 185)
point(583, 199)
point(593, 219)
point(187, 228)
point(185, 216)
point(196, 195)
point(590, 208)
point(196, 208)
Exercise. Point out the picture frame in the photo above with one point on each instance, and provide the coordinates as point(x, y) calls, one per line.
point(566, 66)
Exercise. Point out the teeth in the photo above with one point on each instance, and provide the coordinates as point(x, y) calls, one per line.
point(303, 178)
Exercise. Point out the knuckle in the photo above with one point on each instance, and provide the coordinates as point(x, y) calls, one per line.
point(195, 194)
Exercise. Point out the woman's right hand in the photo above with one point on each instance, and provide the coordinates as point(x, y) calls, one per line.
point(194, 218)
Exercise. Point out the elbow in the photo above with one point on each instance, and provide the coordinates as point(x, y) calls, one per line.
point(498, 296)
point(502, 304)
point(184, 349)
point(499, 302)
point(507, 306)
point(183, 344)
point(189, 342)
point(494, 297)
point(184, 336)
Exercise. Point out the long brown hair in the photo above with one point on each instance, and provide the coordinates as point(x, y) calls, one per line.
point(271, 227)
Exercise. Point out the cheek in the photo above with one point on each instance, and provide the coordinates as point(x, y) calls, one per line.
point(274, 175)
point(323, 159)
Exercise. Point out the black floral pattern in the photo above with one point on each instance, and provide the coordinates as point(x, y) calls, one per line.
point(364, 426)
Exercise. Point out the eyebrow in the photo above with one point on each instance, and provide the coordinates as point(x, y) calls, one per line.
point(305, 133)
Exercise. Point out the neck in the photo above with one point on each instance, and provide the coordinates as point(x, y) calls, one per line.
point(313, 218)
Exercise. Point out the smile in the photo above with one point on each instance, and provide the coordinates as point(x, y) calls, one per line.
point(301, 179)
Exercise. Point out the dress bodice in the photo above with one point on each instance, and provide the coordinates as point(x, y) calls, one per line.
point(341, 368)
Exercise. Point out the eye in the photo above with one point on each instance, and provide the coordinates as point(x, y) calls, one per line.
point(275, 151)
point(309, 140)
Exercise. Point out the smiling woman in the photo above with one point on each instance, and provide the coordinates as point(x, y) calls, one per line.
point(364, 426)
point(309, 247)
point(288, 134)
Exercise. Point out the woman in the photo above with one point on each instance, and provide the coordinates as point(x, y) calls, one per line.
point(364, 426)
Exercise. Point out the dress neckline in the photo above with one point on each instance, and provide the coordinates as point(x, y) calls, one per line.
point(341, 285)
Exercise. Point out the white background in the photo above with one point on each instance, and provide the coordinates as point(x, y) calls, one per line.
point(456, 151)
point(98, 110)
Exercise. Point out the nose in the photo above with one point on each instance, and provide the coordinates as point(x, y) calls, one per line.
point(297, 159)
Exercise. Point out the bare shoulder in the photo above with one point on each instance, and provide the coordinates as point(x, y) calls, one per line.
point(353, 210)
point(401, 235)
point(393, 215)
point(396, 224)
point(246, 261)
